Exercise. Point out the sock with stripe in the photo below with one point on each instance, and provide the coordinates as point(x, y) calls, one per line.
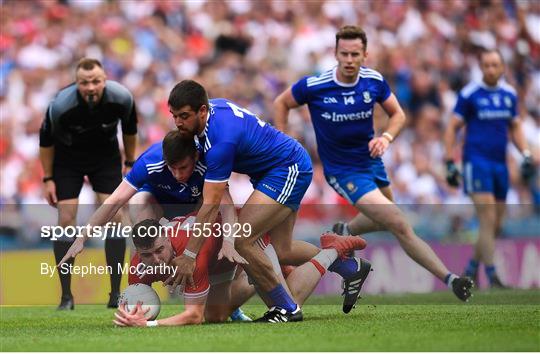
point(281, 298)
point(449, 278)
point(324, 259)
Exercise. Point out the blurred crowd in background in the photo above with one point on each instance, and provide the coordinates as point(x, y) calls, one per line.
point(248, 52)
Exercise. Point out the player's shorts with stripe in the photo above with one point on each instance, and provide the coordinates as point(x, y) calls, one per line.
point(354, 185)
point(171, 206)
point(483, 176)
point(286, 184)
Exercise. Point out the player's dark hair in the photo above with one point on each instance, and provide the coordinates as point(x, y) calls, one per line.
point(141, 237)
point(351, 32)
point(489, 51)
point(88, 64)
point(188, 93)
point(176, 147)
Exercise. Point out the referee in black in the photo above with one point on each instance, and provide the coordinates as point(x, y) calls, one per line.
point(78, 139)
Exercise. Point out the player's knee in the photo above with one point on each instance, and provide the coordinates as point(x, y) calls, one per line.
point(286, 257)
point(402, 230)
point(66, 219)
point(216, 317)
point(487, 216)
point(283, 252)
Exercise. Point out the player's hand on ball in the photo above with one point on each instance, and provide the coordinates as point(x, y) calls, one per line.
point(228, 251)
point(377, 146)
point(135, 318)
point(185, 266)
point(74, 250)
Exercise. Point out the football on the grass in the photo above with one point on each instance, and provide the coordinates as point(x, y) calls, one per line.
point(144, 293)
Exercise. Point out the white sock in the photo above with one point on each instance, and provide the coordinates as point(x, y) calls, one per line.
point(326, 257)
point(451, 279)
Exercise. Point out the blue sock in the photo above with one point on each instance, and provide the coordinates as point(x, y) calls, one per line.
point(281, 298)
point(472, 268)
point(237, 314)
point(490, 272)
point(344, 267)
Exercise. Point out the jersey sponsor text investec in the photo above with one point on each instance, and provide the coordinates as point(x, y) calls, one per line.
point(495, 114)
point(342, 117)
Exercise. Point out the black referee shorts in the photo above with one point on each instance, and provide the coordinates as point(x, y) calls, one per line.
point(104, 177)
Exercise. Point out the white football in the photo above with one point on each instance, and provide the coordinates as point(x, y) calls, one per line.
point(144, 293)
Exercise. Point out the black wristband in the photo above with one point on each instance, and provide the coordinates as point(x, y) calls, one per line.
point(129, 163)
point(47, 179)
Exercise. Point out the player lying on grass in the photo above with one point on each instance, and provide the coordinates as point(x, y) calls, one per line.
point(166, 175)
point(214, 291)
point(166, 180)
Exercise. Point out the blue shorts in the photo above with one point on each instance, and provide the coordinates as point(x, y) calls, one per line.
point(354, 185)
point(480, 176)
point(286, 184)
point(172, 207)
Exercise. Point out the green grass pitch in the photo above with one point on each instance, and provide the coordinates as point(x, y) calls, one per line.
point(493, 321)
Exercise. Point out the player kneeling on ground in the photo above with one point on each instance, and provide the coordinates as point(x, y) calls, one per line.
point(214, 292)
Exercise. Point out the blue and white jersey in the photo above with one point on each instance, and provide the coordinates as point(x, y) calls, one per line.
point(342, 116)
point(237, 140)
point(487, 112)
point(151, 169)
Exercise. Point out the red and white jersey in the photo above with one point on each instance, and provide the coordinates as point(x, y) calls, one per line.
point(206, 263)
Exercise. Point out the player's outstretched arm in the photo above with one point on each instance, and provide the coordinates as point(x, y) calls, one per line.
point(282, 105)
point(101, 216)
point(192, 314)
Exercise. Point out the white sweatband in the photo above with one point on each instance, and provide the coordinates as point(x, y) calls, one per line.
point(526, 153)
point(190, 254)
point(388, 136)
point(151, 323)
